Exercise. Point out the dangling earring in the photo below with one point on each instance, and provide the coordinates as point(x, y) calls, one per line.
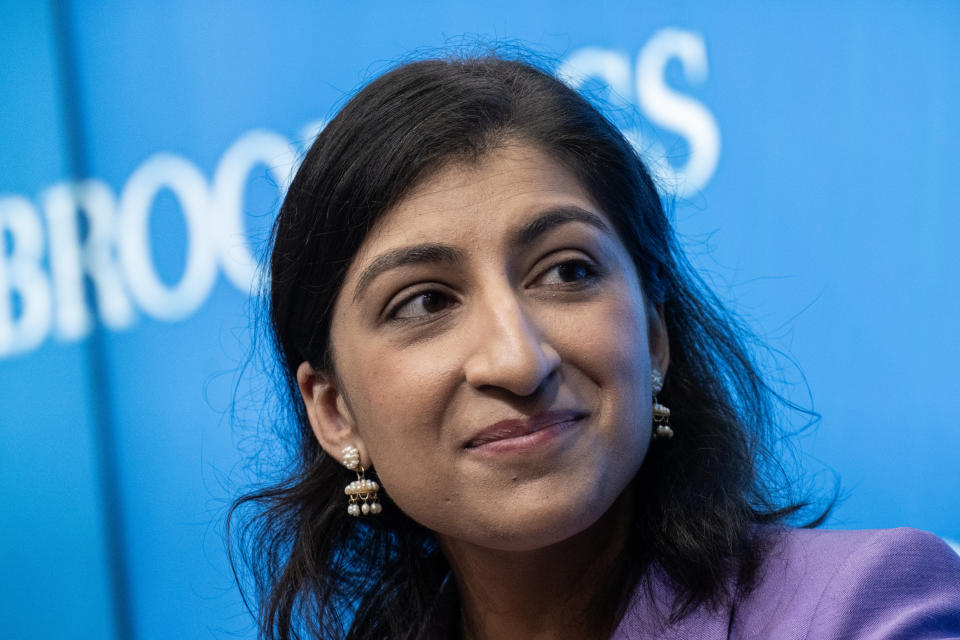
point(661, 414)
point(362, 492)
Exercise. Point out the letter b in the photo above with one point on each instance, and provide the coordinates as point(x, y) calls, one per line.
point(21, 273)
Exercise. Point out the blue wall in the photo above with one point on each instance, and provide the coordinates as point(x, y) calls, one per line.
point(812, 154)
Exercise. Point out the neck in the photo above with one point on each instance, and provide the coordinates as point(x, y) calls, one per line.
point(547, 593)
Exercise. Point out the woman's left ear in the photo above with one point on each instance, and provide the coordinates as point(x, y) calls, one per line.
point(330, 416)
point(658, 339)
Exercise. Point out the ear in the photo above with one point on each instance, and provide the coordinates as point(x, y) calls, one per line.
point(329, 414)
point(658, 339)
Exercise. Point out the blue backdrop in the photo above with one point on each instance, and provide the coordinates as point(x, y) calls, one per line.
point(811, 153)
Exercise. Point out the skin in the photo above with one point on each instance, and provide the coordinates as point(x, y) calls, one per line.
point(485, 329)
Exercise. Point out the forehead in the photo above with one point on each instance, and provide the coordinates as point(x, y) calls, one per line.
point(477, 202)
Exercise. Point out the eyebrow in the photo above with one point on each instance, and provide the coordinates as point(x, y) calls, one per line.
point(553, 218)
point(435, 253)
point(431, 253)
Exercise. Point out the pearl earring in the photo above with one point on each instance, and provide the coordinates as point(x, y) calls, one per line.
point(361, 492)
point(661, 414)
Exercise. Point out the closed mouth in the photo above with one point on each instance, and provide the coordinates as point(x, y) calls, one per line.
point(510, 429)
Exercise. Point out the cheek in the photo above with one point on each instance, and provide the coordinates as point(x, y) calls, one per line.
point(612, 349)
point(612, 342)
point(398, 402)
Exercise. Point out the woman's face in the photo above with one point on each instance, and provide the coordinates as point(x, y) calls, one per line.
point(493, 352)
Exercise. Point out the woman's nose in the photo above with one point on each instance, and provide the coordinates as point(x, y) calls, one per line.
point(509, 350)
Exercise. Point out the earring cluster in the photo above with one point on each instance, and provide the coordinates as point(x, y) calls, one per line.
point(362, 493)
point(661, 414)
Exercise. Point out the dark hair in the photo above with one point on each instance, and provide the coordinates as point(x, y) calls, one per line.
point(319, 573)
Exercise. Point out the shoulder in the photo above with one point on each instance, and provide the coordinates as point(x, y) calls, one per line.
point(819, 584)
point(891, 583)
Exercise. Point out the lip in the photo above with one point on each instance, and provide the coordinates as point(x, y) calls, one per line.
point(509, 435)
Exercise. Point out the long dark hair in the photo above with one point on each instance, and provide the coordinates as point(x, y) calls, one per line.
point(317, 572)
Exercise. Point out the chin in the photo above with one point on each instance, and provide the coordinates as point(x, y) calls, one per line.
point(533, 527)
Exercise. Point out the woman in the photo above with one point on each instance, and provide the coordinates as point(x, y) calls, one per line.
point(518, 412)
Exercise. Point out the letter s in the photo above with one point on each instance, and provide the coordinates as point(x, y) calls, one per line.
point(675, 111)
point(593, 62)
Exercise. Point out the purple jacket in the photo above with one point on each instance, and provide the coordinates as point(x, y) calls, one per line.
point(821, 585)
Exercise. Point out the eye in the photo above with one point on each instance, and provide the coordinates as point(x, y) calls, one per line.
point(420, 305)
point(569, 272)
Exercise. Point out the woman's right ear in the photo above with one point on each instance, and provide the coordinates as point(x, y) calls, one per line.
point(330, 417)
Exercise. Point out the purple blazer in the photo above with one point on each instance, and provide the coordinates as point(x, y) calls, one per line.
point(821, 585)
